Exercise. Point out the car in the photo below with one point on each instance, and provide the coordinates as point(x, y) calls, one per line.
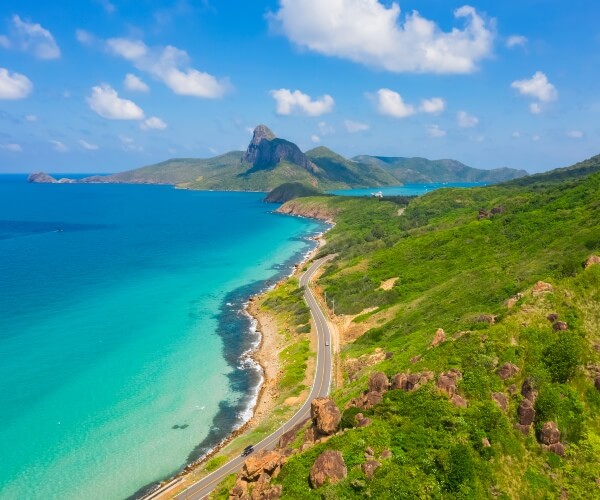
point(247, 450)
point(327, 343)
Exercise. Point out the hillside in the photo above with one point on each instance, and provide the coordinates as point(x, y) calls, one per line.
point(422, 170)
point(470, 360)
point(270, 161)
point(290, 191)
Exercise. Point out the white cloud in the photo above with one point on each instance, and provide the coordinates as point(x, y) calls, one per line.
point(128, 144)
point(33, 38)
point(315, 138)
point(289, 102)
point(169, 65)
point(434, 106)
point(465, 120)
point(14, 148)
point(14, 85)
point(153, 123)
point(107, 6)
point(368, 32)
point(537, 87)
point(391, 103)
point(105, 101)
point(325, 128)
point(353, 127)
point(31, 118)
point(575, 134)
point(135, 83)
point(516, 41)
point(58, 146)
point(84, 37)
point(88, 146)
point(435, 131)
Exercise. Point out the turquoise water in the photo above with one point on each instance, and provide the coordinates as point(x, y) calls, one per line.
point(406, 189)
point(121, 329)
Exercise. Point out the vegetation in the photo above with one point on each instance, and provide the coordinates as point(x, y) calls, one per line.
point(457, 257)
point(289, 191)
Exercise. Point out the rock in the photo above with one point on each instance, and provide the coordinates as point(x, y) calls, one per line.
point(260, 487)
point(557, 448)
point(447, 381)
point(370, 467)
point(369, 452)
point(507, 370)
point(591, 260)
point(325, 415)
point(329, 467)
point(501, 400)
point(311, 435)
point(490, 319)
point(512, 389)
point(240, 489)
point(542, 287)
point(378, 382)
point(523, 428)
point(512, 302)
point(262, 461)
point(415, 359)
point(290, 435)
point(41, 178)
point(385, 454)
point(550, 433)
point(364, 422)
point(273, 493)
point(560, 326)
point(367, 400)
point(440, 336)
point(528, 391)
point(485, 442)
point(459, 401)
point(483, 214)
point(526, 412)
point(552, 317)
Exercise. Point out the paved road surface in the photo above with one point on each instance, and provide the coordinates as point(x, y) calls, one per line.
point(320, 388)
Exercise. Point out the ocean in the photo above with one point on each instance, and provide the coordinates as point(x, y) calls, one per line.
point(405, 189)
point(122, 332)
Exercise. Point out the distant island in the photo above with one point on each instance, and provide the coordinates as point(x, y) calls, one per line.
point(269, 162)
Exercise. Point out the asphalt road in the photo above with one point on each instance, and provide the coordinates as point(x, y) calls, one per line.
point(320, 388)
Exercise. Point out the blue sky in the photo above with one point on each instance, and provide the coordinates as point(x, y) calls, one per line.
point(108, 85)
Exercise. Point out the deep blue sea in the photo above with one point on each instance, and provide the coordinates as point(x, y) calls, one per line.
point(122, 331)
point(405, 189)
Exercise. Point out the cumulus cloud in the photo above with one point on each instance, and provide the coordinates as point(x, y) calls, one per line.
point(84, 37)
point(128, 144)
point(370, 33)
point(135, 83)
point(575, 134)
point(32, 38)
point(88, 146)
point(14, 85)
point(289, 102)
point(391, 103)
point(153, 123)
point(465, 120)
point(435, 131)
point(171, 66)
point(105, 101)
point(434, 106)
point(354, 127)
point(12, 147)
point(516, 41)
point(59, 146)
point(537, 87)
point(315, 138)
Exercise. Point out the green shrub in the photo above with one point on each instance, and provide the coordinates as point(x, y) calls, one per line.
point(562, 356)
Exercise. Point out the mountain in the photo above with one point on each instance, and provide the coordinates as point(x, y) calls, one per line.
point(422, 170)
point(290, 191)
point(270, 161)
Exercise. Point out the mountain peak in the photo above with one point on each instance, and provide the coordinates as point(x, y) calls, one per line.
point(261, 133)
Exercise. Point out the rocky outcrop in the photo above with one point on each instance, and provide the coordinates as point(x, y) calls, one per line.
point(329, 467)
point(560, 326)
point(264, 461)
point(458, 400)
point(501, 400)
point(528, 390)
point(507, 370)
point(325, 415)
point(411, 381)
point(378, 382)
point(526, 412)
point(253, 482)
point(362, 421)
point(591, 260)
point(317, 210)
point(439, 337)
point(370, 467)
point(41, 178)
point(550, 438)
point(542, 287)
point(447, 384)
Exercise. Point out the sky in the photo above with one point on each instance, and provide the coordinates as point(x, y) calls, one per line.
point(108, 85)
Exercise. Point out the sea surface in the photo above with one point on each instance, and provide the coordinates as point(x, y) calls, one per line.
point(122, 336)
point(406, 189)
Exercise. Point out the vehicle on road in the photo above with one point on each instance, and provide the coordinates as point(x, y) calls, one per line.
point(327, 343)
point(247, 450)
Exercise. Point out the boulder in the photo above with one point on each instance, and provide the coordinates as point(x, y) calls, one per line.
point(370, 467)
point(369, 452)
point(399, 381)
point(329, 467)
point(524, 429)
point(501, 400)
point(262, 461)
point(447, 381)
point(325, 415)
point(507, 370)
point(591, 260)
point(528, 390)
point(440, 337)
point(490, 319)
point(411, 381)
point(260, 486)
point(560, 326)
point(363, 422)
point(240, 490)
point(542, 287)
point(552, 317)
point(385, 454)
point(311, 435)
point(550, 433)
point(557, 448)
point(378, 382)
point(459, 401)
point(526, 412)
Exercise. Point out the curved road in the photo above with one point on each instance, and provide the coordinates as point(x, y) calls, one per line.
point(320, 388)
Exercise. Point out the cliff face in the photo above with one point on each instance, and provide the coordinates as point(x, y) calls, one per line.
point(313, 208)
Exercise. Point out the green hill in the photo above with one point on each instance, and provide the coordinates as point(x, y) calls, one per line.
point(290, 191)
point(501, 270)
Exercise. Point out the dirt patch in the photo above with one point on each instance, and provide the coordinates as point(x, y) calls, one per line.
point(388, 284)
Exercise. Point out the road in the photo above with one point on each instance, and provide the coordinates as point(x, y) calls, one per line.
point(320, 388)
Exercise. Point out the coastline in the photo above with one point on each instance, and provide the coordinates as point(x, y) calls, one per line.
point(263, 354)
